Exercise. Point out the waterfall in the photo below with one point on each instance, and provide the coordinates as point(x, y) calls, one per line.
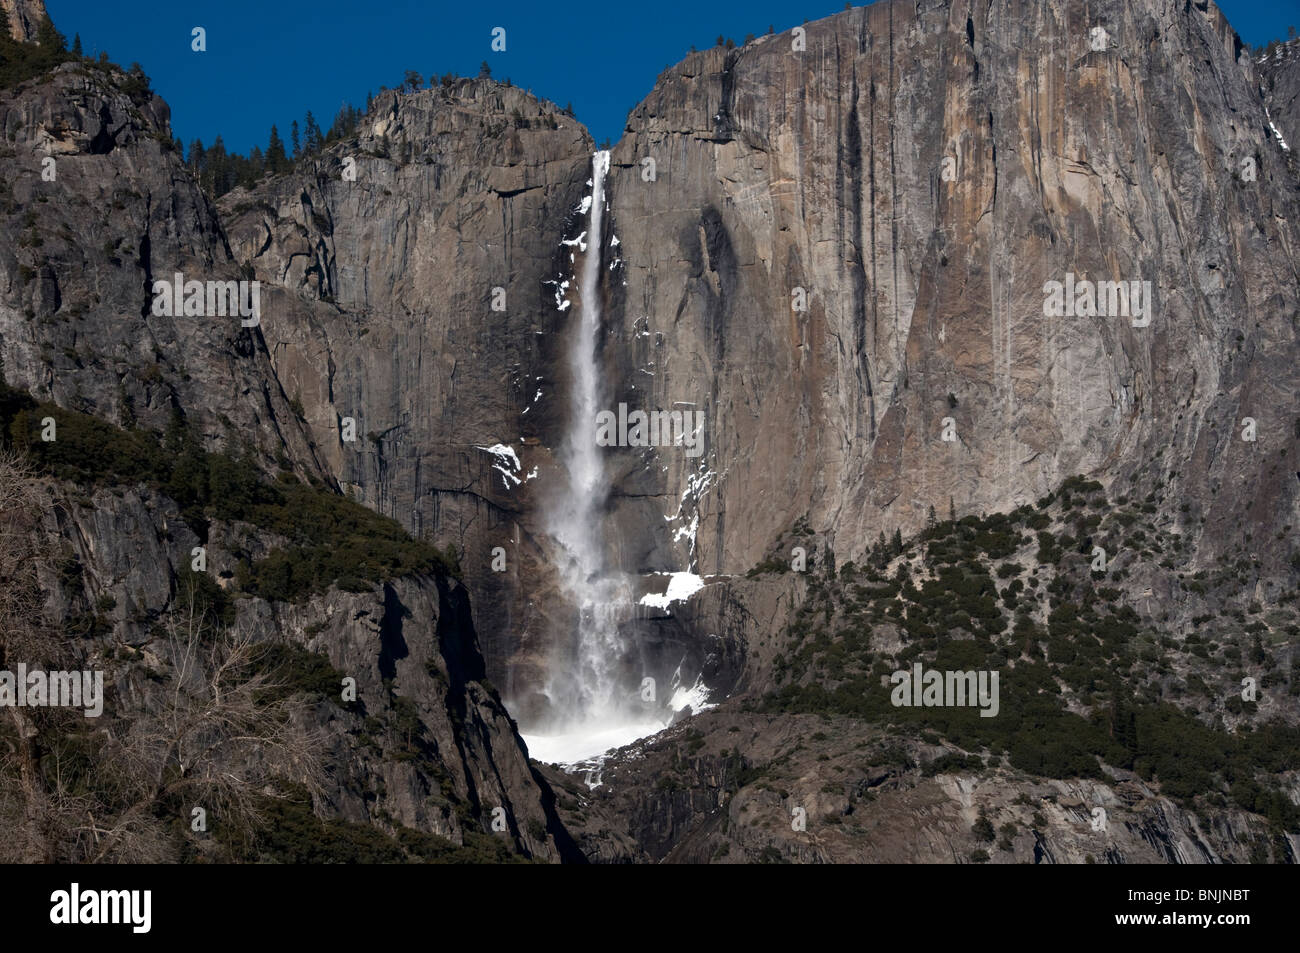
point(593, 711)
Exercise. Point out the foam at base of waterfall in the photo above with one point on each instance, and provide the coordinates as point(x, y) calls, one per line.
point(584, 745)
point(588, 741)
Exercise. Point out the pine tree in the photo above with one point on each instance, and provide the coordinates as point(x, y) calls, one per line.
point(897, 543)
point(136, 85)
point(276, 160)
point(484, 70)
point(195, 158)
point(952, 511)
point(216, 168)
point(311, 134)
point(76, 45)
point(930, 518)
point(295, 141)
point(255, 166)
point(1122, 720)
point(345, 123)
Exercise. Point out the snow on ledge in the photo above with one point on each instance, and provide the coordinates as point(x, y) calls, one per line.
point(507, 462)
point(681, 586)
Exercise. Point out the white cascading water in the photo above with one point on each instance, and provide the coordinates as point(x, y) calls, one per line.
point(592, 714)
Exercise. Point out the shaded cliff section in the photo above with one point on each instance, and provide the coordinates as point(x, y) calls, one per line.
point(430, 747)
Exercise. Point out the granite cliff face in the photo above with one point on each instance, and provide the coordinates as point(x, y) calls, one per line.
point(834, 242)
point(422, 299)
point(390, 281)
point(24, 17)
point(920, 171)
point(81, 253)
point(914, 210)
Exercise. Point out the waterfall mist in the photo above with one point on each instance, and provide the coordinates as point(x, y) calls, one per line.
point(592, 710)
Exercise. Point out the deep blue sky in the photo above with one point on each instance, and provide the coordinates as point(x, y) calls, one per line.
point(269, 61)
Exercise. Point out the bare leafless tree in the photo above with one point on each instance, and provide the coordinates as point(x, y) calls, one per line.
point(25, 810)
point(219, 731)
point(200, 723)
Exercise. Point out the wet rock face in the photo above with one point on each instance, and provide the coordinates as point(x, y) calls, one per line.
point(1279, 82)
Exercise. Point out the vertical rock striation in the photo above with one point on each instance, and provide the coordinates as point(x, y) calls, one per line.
point(1112, 155)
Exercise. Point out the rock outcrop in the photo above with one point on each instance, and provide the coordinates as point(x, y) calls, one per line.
point(79, 253)
point(811, 791)
point(428, 747)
